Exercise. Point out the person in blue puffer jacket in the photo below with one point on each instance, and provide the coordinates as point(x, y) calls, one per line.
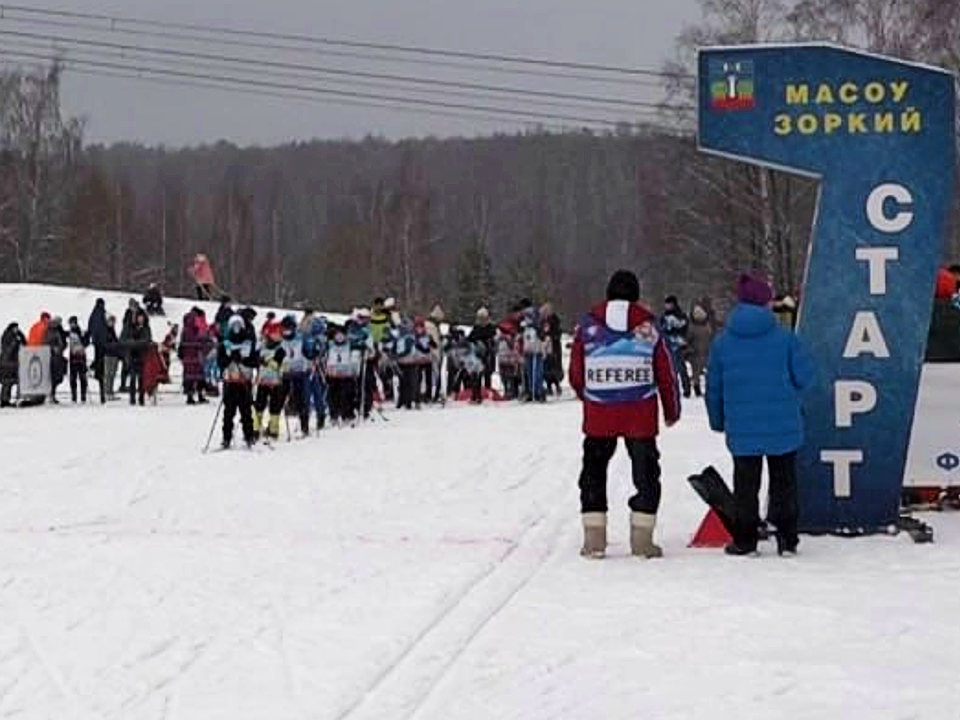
point(757, 372)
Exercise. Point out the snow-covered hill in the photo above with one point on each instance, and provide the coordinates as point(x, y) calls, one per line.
point(23, 303)
point(424, 568)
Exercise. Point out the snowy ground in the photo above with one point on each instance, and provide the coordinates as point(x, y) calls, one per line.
point(427, 568)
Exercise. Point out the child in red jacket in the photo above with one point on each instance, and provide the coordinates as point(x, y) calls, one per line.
point(619, 366)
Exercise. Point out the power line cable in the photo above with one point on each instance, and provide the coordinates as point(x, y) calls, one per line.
point(367, 56)
point(64, 53)
point(115, 20)
point(337, 71)
point(531, 115)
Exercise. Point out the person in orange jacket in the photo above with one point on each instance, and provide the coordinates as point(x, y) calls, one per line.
point(38, 331)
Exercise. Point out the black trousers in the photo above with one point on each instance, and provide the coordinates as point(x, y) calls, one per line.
point(98, 357)
point(237, 397)
point(645, 459)
point(78, 375)
point(6, 393)
point(474, 382)
point(135, 384)
point(341, 398)
point(784, 508)
point(269, 396)
point(411, 379)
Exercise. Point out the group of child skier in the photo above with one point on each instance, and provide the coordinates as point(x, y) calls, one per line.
point(337, 371)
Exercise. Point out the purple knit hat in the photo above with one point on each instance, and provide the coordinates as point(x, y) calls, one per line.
point(754, 290)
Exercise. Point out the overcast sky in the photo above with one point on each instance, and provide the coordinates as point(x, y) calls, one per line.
point(636, 33)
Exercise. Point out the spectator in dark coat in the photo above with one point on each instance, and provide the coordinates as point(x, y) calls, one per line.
point(126, 332)
point(153, 300)
point(99, 337)
point(56, 339)
point(553, 332)
point(757, 372)
point(484, 333)
point(701, 336)
point(618, 368)
point(137, 345)
point(77, 342)
point(224, 313)
point(194, 346)
point(10, 346)
point(112, 352)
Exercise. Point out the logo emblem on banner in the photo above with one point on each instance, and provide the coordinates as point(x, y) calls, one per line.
point(34, 371)
point(731, 85)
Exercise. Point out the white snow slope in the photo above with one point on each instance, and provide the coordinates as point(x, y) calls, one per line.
point(23, 303)
point(427, 567)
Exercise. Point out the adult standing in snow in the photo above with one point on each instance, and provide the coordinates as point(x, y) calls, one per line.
point(434, 324)
point(97, 329)
point(553, 332)
point(111, 359)
point(757, 372)
point(126, 331)
point(77, 342)
point(192, 351)
point(56, 339)
point(701, 336)
point(138, 344)
point(10, 346)
point(618, 367)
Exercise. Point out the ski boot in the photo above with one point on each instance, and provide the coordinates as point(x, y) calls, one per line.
point(594, 535)
point(273, 428)
point(739, 550)
point(641, 535)
point(786, 546)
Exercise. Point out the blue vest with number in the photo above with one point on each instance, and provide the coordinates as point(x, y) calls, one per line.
point(618, 366)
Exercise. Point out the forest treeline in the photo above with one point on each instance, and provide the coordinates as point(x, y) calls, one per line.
point(459, 221)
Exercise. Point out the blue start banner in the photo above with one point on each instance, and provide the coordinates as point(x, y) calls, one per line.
point(879, 135)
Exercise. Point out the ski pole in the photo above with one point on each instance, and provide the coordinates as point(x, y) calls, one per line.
point(363, 382)
point(213, 427)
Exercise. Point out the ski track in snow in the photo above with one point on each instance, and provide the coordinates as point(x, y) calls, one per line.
point(457, 624)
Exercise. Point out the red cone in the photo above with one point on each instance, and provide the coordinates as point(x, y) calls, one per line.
point(711, 533)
